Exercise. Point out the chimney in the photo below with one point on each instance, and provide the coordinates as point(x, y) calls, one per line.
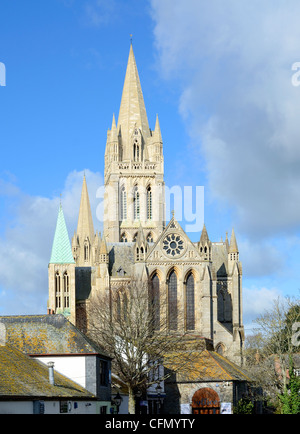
point(2, 334)
point(51, 373)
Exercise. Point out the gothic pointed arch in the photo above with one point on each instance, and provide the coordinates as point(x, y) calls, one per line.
point(149, 203)
point(66, 289)
point(224, 302)
point(172, 283)
point(136, 203)
point(190, 302)
point(57, 290)
point(154, 300)
point(123, 203)
point(124, 237)
point(150, 237)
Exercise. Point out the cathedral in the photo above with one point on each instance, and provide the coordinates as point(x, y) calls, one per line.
point(201, 280)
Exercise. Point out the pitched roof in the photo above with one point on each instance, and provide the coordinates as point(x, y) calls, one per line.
point(47, 334)
point(61, 249)
point(205, 366)
point(22, 376)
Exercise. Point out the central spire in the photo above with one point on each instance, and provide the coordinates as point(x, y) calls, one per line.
point(132, 110)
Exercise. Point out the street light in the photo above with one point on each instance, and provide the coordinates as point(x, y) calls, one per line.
point(158, 391)
point(118, 400)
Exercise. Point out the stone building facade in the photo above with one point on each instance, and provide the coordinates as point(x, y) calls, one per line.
point(202, 281)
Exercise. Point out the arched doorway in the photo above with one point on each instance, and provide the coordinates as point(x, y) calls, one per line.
point(206, 401)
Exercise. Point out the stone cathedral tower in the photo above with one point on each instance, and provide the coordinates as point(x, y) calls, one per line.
point(134, 168)
point(202, 281)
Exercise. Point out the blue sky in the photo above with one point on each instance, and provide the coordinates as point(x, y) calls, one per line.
point(220, 78)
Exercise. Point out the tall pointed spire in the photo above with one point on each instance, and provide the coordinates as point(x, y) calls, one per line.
point(61, 249)
point(85, 227)
point(132, 109)
point(233, 248)
point(113, 134)
point(157, 132)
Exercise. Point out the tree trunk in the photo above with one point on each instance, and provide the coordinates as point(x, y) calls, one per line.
point(131, 401)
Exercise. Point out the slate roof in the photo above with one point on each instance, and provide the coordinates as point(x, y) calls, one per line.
point(46, 334)
point(206, 366)
point(121, 255)
point(26, 378)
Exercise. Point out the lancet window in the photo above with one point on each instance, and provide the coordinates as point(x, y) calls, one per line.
point(172, 301)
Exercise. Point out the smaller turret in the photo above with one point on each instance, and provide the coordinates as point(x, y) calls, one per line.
point(141, 246)
point(204, 245)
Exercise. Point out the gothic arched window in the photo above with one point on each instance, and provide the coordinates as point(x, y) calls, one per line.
point(155, 302)
point(190, 302)
point(136, 151)
point(57, 291)
point(86, 252)
point(66, 290)
point(149, 203)
point(224, 303)
point(136, 203)
point(123, 204)
point(124, 238)
point(150, 238)
point(172, 301)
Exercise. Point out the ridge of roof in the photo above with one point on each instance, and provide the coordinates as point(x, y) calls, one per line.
point(23, 376)
point(48, 334)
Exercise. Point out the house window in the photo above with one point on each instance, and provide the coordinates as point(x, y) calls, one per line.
point(172, 301)
point(190, 302)
point(103, 373)
point(63, 406)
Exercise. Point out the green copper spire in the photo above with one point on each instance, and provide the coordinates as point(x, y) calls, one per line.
point(61, 249)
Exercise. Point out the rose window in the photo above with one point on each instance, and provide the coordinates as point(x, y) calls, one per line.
point(173, 245)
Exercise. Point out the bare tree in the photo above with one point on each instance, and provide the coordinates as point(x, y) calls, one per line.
point(268, 352)
point(133, 326)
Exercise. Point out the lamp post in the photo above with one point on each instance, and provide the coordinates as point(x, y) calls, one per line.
point(118, 400)
point(158, 391)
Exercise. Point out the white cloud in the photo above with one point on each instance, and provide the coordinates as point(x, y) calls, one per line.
point(261, 258)
point(258, 300)
point(234, 62)
point(99, 12)
point(25, 246)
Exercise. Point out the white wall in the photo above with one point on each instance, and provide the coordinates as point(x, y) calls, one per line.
point(16, 407)
point(51, 407)
point(72, 367)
